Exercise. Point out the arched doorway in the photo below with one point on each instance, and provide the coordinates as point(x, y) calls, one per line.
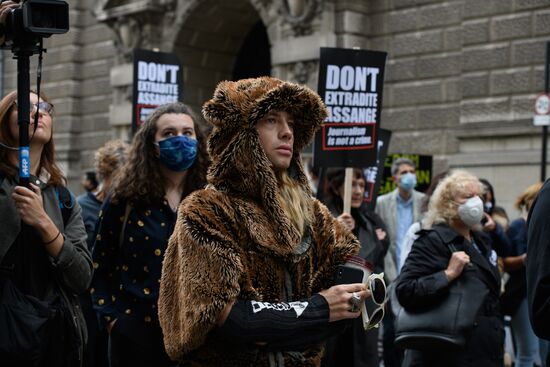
point(220, 40)
point(254, 57)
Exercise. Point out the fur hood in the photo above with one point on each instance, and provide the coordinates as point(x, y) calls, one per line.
point(233, 240)
point(234, 145)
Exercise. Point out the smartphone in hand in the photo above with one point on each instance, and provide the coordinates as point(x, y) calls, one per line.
point(349, 274)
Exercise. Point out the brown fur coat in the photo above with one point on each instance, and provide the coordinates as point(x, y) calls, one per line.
point(233, 241)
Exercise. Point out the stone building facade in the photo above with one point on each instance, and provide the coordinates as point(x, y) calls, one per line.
point(460, 83)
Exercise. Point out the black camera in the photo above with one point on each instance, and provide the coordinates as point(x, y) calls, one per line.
point(36, 19)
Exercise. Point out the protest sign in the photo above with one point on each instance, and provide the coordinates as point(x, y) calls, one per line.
point(374, 173)
point(351, 85)
point(423, 172)
point(158, 79)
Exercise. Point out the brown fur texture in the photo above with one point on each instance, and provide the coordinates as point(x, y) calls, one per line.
point(233, 241)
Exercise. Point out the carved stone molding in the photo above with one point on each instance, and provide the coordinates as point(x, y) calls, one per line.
point(302, 71)
point(299, 14)
point(261, 3)
point(137, 24)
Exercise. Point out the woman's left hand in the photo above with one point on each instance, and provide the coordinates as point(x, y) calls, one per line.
point(29, 205)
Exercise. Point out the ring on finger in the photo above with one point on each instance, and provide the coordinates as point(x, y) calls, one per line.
point(355, 300)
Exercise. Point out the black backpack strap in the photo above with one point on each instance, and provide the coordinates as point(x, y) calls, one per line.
point(66, 202)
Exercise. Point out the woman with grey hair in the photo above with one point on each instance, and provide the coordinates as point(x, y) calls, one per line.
point(455, 211)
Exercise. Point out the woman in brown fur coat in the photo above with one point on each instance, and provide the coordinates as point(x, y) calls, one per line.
point(248, 274)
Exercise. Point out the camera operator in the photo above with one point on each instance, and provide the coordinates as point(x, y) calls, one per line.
point(44, 260)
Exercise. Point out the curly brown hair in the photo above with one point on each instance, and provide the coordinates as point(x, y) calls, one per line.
point(140, 179)
point(47, 160)
point(110, 157)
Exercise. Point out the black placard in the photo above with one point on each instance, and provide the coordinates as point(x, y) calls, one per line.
point(158, 79)
point(423, 172)
point(351, 84)
point(374, 174)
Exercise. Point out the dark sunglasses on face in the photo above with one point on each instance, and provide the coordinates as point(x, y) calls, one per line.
point(42, 106)
point(379, 296)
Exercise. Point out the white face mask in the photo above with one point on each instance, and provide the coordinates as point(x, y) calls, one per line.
point(471, 211)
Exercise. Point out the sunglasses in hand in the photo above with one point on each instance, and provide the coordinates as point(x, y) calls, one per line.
point(379, 295)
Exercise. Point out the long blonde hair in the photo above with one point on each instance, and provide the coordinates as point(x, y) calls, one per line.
point(295, 202)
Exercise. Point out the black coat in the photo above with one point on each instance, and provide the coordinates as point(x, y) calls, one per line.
point(422, 283)
point(538, 263)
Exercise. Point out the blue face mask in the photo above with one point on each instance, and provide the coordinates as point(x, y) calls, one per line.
point(407, 181)
point(178, 153)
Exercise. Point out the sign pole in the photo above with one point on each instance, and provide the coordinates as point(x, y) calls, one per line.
point(347, 190)
point(545, 127)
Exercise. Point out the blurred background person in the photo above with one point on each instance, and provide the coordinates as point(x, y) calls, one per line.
point(108, 159)
point(43, 252)
point(514, 298)
point(412, 234)
point(501, 217)
point(355, 346)
point(398, 209)
point(455, 209)
point(493, 230)
point(89, 181)
point(167, 161)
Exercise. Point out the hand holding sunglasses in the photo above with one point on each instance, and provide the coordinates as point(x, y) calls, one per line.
point(377, 287)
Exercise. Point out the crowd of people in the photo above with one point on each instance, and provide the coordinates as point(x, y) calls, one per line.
point(200, 245)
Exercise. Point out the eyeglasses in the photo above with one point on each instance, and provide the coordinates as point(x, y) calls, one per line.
point(379, 295)
point(42, 106)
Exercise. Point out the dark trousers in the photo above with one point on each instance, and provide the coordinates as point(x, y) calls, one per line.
point(137, 344)
point(392, 356)
point(354, 347)
point(95, 353)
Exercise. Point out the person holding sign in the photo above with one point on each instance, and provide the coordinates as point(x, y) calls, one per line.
point(356, 347)
point(166, 162)
point(248, 275)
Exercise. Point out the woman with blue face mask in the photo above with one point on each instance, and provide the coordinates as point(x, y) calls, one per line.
point(167, 161)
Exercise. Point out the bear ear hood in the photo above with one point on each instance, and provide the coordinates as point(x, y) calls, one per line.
point(239, 105)
point(238, 160)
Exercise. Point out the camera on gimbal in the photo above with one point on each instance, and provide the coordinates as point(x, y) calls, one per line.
point(34, 20)
point(23, 32)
